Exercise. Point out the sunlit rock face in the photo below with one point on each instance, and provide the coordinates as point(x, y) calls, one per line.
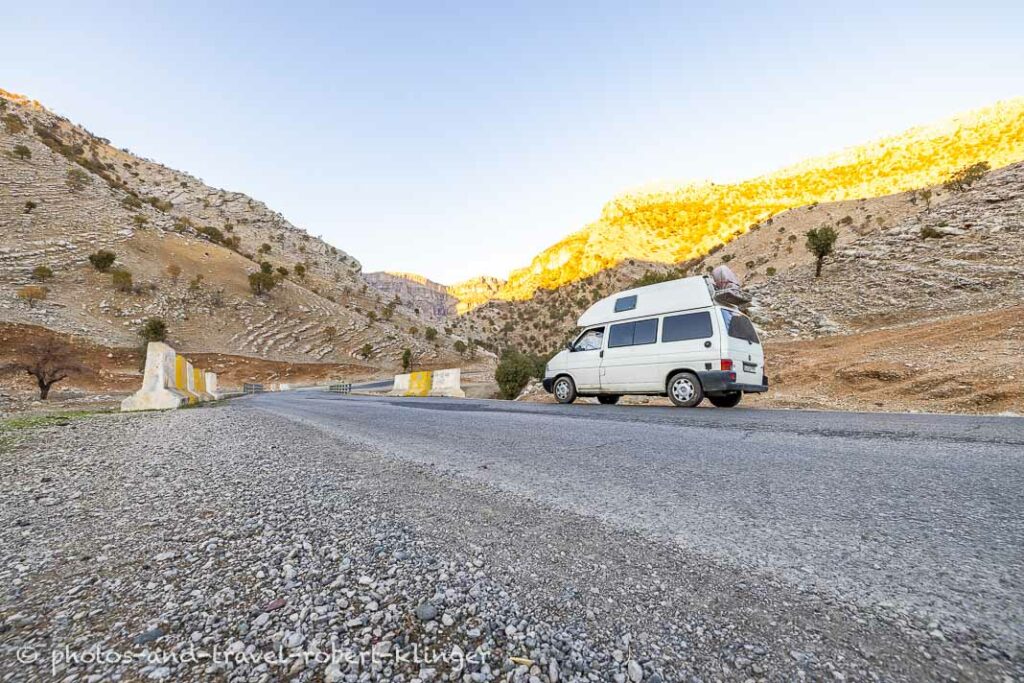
point(475, 292)
point(674, 224)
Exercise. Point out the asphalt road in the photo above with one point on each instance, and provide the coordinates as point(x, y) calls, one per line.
point(922, 514)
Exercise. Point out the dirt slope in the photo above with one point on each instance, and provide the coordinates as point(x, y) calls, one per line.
point(74, 193)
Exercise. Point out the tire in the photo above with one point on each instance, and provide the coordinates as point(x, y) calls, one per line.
point(608, 399)
point(730, 400)
point(684, 390)
point(564, 389)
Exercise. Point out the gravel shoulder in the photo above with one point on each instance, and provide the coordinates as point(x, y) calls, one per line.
point(233, 531)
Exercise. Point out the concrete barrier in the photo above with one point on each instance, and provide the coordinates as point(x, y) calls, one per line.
point(419, 383)
point(429, 383)
point(199, 382)
point(447, 383)
point(169, 381)
point(211, 384)
point(181, 378)
point(159, 390)
point(401, 385)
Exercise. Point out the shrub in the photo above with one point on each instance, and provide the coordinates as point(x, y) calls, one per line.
point(460, 347)
point(22, 152)
point(31, 294)
point(330, 331)
point(264, 248)
point(102, 260)
point(131, 202)
point(430, 334)
point(42, 273)
point(266, 267)
point(928, 232)
point(139, 220)
point(514, 372)
point(406, 359)
point(282, 271)
point(300, 270)
point(13, 124)
point(153, 330)
point(77, 179)
point(366, 351)
point(30, 205)
point(726, 258)
point(211, 233)
point(163, 205)
point(769, 271)
point(261, 282)
point(652, 277)
point(174, 272)
point(821, 242)
point(967, 176)
point(195, 283)
point(122, 280)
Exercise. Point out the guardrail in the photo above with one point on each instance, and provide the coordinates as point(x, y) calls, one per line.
point(248, 388)
point(341, 388)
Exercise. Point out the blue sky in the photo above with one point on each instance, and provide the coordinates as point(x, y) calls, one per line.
point(454, 139)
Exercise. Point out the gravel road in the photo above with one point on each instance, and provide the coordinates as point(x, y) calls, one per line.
point(251, 541)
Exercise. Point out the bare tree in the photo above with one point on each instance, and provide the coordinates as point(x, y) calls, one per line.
point(49, 361)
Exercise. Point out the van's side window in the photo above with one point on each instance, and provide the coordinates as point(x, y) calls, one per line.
point(590, 340)
point(687, 326)
point(632, 334)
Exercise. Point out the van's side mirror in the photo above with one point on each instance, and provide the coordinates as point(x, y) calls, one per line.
point(568, 345)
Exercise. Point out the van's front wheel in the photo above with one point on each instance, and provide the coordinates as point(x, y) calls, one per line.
point(684, 390)
point(564, 390)
point(730, 400)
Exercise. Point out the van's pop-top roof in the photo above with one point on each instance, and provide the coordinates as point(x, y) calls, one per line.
point(664, 297)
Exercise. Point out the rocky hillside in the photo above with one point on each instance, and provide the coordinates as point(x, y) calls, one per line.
point(918, 308)
point(677, 224)
point(189, 248)
point(913, 256)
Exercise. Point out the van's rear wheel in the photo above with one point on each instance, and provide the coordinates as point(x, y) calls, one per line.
point(730, 400)
point(608, 399)
point(684, 390)
point(564, 390)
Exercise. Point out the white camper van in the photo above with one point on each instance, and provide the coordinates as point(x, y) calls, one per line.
point(668, 339)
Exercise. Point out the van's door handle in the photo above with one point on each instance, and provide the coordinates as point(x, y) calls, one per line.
point(601, 355)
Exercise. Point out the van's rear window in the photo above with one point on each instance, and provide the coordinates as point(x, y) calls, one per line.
point(740, 327)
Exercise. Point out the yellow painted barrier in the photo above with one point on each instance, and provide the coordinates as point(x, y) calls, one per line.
point(419, 383)
point(181, 377)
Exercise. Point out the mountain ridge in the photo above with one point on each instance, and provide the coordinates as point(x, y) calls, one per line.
point(689, 220)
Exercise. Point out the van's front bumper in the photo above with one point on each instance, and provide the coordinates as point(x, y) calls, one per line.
point(720, 382)
point(546, 383)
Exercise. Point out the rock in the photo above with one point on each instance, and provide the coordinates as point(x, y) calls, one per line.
point(426, 612)
point(634, 670)
point(148, 636)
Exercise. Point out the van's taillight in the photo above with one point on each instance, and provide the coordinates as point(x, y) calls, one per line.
point(726, 364)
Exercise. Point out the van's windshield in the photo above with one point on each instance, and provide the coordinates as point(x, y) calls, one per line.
point(739, 326)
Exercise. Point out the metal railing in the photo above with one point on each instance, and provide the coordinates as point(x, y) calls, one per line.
point(340, 388)
point(248, 388)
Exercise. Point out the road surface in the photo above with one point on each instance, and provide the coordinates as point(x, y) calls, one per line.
point(921, 514)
